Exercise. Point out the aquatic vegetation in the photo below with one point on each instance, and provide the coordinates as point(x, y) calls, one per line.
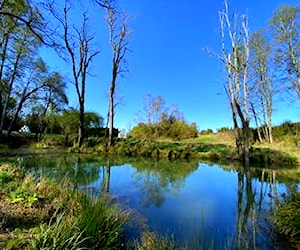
point(149, 240)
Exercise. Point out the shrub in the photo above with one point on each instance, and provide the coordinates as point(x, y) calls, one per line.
point(206, 132)
point(224, 129)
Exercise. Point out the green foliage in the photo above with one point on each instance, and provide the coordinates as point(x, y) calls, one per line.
point(142, 131)
point(166, 128)
point(25, 193)
point(70, 219)
point(5, 177)
point(172, 150)
point(26, 198)
point(287, 128)
point(206, 132)
point(224, 129)
point(287, 216)
point(269, 158)
point(285, 16)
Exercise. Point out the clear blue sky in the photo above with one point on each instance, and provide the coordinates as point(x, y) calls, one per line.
point(167, 59)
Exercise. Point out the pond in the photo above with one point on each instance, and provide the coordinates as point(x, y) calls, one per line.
point(201, 205)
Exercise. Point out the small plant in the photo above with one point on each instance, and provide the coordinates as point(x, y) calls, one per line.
point(150, 240)
point(26, 198)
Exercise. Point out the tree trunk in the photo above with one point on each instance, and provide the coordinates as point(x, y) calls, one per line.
point(3, 57)
point(81, 123)
point(111, 120)
point(9, 130)
point(111, 109)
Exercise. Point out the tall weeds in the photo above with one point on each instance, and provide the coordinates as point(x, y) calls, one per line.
point(287, 217)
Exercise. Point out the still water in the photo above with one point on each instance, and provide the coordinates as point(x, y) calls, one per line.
point(201, 205)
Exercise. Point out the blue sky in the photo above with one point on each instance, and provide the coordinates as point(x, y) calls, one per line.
point(167, 59)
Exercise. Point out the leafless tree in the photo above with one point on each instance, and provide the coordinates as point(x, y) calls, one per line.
point(235, 59)
point(78, 44)
point(118, 23)
point(262, 91)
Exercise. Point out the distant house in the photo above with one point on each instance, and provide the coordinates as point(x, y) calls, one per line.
point(24, 129)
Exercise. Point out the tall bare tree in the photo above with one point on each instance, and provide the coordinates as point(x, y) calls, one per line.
point(262, 91)
point(235, 57)
point(118, 23)
point(77, 42)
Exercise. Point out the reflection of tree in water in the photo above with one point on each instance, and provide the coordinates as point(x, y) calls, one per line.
point(155, 178)
point(79, 170)
point(257, 196)
point(105, 182)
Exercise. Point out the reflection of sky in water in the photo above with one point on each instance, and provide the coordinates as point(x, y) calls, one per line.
point(192, 201)
point(206, 202)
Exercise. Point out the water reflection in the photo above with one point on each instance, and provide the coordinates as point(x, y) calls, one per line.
point(155, 178)
point(200, 204)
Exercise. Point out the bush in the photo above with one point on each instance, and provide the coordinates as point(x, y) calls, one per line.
point(287, 128)
point(224, 129)
point(176, 130)
point(206, 132)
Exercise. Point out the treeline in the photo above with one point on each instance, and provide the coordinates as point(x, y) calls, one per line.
point(66, 123)
point(30, 92)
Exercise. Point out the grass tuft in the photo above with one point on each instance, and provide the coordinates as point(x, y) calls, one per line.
point(287, 216)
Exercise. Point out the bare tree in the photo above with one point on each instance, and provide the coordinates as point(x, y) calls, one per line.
point(235, 60)
point(78, 46)
point(262, 90)
point(118, 23)
point(152, 110)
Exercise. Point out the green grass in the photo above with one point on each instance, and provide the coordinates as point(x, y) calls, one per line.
point(287, 216)
point(101, 222)
point(41, 214)
point(61, 233)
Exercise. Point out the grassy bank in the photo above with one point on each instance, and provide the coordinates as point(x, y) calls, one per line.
point(213, 147)
point(41, 214)
point(217, 147)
